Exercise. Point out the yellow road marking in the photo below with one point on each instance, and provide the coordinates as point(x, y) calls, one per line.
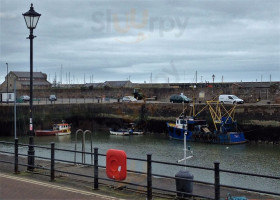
point(57, 187)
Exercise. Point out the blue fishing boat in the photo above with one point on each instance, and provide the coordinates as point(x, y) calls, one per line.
point(197, 130)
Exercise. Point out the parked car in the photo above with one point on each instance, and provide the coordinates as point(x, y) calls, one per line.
point(231, 99)
point(52, 97)
point(24, 98)
point(179, 98)
point(129, 99)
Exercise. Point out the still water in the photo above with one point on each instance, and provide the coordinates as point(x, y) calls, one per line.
point(252, 158)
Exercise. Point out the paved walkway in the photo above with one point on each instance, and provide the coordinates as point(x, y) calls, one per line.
point(13, 187)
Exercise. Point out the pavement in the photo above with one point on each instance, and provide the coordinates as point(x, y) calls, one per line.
point(37, 185)
point(14, 187)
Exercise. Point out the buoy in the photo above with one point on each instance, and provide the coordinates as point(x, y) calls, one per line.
point(116, 164)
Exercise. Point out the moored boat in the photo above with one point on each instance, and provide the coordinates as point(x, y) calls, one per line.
point(58, 129)
point(196, 130)
point(121, 132)
point(134, 130)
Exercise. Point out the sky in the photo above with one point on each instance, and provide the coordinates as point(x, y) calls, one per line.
point(156, 41)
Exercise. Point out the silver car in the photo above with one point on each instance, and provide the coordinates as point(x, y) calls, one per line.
point(52, 97)
point(24, 98)
point(129, 99)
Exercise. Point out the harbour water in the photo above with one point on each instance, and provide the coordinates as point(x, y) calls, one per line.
point(253, 158)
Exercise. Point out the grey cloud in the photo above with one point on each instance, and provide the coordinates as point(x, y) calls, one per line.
point(221, 37)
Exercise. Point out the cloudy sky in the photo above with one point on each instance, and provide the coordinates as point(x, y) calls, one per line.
point(153, 41)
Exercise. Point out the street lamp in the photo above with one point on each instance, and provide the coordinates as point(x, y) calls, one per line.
point(31, 19)
point(213, 76)
point(7, 83)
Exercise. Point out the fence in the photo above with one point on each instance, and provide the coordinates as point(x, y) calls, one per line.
point(149, 188)
point(63, 100)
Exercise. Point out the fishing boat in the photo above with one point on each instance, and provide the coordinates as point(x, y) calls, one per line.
point(225, 132)
point(137, 132)
point(120, 132)
point(134, 130)
point(58, 129)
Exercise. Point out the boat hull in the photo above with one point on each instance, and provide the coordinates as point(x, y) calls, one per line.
point(120, 133)
point(137, 133)
point(218, 138)
point(51, 133)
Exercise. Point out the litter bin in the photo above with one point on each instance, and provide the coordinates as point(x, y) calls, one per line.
point(185, 185)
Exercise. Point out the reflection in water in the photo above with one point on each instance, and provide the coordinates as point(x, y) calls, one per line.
point(253, 158)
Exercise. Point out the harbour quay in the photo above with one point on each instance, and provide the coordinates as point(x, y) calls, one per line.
point(260, 122)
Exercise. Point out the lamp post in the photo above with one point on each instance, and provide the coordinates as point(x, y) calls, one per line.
point(31, 19)
point(213, 76)
point(7, 82)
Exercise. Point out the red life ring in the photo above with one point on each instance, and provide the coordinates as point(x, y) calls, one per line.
point(116, 164)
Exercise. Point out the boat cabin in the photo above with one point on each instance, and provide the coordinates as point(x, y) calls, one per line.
point(60, 127)
point(190, 123)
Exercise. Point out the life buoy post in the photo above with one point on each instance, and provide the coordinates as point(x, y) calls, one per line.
point(116, 167)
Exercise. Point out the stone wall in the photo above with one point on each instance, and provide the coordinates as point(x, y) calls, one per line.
point(258, 121)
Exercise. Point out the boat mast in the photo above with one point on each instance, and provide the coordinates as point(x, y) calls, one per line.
point(185, 128)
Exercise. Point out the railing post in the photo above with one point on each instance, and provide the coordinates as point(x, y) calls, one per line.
point(217, 180)
point(31, 154)
point(16, 156)
point(95, 168)
point(149, 177)
point(52, 161)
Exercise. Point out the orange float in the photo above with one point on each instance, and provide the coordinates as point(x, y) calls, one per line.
point(116, 164)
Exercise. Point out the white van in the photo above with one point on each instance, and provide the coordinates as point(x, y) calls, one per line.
point(231, 99)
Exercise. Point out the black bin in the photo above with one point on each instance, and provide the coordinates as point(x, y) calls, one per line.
point(184, 185)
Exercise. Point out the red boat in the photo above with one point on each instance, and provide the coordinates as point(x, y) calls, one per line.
point(58, 129)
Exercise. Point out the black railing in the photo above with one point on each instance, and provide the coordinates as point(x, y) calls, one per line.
point(150, 189)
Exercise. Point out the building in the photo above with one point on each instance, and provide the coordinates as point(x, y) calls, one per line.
point(22, 81)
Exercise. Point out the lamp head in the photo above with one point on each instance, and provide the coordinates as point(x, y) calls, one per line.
point(31, 18)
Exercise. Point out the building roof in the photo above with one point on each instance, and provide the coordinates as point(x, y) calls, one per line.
point(35, 83)
point(27, 74)
point(117, 83)
point(94, 85)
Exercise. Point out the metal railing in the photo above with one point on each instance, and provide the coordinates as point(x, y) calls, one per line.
point(150, 189)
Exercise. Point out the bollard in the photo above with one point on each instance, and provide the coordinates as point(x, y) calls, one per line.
point(52, 161)
point(95, 168)
point(217, 180)
point(184, 183)
point(16, 156)
point(149, 177)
